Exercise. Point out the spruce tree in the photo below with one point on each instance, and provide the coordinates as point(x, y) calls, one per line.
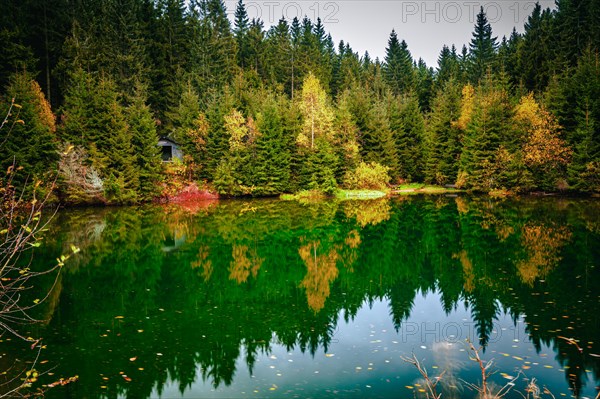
point(255, 46)
point(378, 139)
point(448, 66)
point(482, 48)
point(144, 141)
point(442, 136)
point(240, 31)
point(347, 136)
point(217, 141)
point(28, 139)
point(95, 119)
point(534, 54)
point(424, 85)
point(409, 139)
point(398, 69)
point(279, 57)
point(583, 89)
point(488, 130)
point(272, 173)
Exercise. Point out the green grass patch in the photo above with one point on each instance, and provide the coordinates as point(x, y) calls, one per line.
point(359, 194)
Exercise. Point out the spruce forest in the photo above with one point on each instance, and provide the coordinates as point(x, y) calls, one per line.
point(88, 87)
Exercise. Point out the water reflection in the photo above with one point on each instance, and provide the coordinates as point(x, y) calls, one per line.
point(190, 292)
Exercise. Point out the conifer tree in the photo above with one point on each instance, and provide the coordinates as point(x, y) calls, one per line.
point(448, 66)
point(488, 130)
point(534, 54)
point(442, 136)
point(240, 31)
point(255, 46)
point(424, 85)
point(583, 106)
point(217, 141)
point(144, 140)
point(398, 66)
point(409, 139)
point(279, 56)
point(272, 173)
point(28, 138)
point(95, 119)
point(482, 48)
point(378, 139)
point(347, 136)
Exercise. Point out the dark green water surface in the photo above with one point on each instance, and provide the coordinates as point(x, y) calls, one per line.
point(266, 298)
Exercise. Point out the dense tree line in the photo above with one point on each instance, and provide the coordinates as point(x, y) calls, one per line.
point(263, 111)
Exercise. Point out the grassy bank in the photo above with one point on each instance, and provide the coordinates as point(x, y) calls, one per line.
point(421, 188)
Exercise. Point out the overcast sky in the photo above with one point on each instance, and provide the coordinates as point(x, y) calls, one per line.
point(425, 25)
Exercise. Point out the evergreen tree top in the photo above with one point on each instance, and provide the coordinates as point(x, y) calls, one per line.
point(482, 41)
point(241, 20)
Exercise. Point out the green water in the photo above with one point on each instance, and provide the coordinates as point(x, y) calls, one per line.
point(266, 298)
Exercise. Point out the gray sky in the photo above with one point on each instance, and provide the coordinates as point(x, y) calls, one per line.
point(425, 25)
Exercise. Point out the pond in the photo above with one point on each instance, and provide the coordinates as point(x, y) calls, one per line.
point(268, 298)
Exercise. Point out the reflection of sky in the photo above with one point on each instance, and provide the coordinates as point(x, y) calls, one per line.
point(364, 359)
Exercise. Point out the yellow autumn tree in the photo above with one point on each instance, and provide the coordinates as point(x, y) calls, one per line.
point(545, 153)
point(467, 105)
point(235, 125)
point(318, 114)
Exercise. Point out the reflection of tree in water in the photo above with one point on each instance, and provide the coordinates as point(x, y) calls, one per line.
point(203, 262)
point(542, 245)
point(245, 262)
point(368, 212)
point(467, 269)
point(306, 270)
point(321, 271)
